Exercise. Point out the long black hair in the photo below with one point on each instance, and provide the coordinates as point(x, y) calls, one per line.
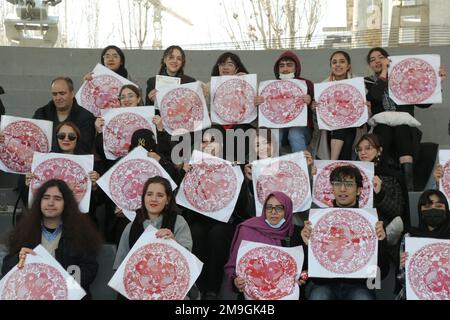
point(77, 228)
point(167, 52)
point(122, 71)
point(223, 57)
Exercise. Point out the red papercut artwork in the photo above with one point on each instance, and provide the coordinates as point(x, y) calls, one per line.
point(285, 176)
point(429, 272)
point(118, 132)
point(181, 108)
point(269, 273)
point(446, 179)
point(63, 169)
point(210, 185)
point(234, 100)
point(341, 105)
point(343, 241)
point(156, 272)
point(412, 80)
point(283, 101)
point(101, 93)
point(323, 190)
point(36, 281)
point(127, 181)
point(22, 138)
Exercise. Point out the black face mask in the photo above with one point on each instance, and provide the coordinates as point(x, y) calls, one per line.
point(433, 217)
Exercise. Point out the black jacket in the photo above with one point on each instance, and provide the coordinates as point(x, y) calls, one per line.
point(66, 257)
point(84, 120)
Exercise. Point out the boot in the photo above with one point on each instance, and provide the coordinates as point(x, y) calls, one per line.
point(408, 173)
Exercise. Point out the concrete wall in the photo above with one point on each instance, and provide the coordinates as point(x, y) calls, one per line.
point(25, 74)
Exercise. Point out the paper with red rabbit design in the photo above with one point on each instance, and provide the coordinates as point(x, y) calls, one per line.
point(72, 169)
point(120, 124)
point(444, 182)
point(343, 243)
point(211, 187)
point(42, 278)
point(123, 183)
point(233, 99)
point(288, 174)
point(23, 137)
point(323, 190)
point(270, 272)
point(102, 92)
point(415, 79)
point(427, 269)
point(283, 105)
point(341, 104)
point(156, 269)
point(183, 108)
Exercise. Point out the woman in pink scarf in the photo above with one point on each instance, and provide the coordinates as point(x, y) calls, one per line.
point(274, 226)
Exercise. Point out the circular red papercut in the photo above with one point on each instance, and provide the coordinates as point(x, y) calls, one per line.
point(63, 169)
point(446, 179)
point(210, 185)
point(284, 176)
point(341, 105)
point(343, 241)
point(269, 273)
point(119, 130)
point(35, 281)
point(101, 93)
point(127, 181)
point(323, 190)
point(156, 272)
point(181, 108)
point(283, 101)
point(429, 272)
point(22, 138)
point(234, 101)
point(412, 80)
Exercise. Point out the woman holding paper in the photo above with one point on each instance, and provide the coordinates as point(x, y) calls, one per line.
point(160, 211)
point(434, 222)
point(274, 227)
point(68, 136)
point(400, 141)
point(341, 142)
point(390, 194)
point(56, 223)
point(172, 65)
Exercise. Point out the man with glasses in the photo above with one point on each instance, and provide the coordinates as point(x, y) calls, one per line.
point(64, 107)
point(288, 67)
point(347, 186)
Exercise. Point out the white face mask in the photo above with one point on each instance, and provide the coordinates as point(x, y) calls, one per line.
point(278, 225)
point(284, 76)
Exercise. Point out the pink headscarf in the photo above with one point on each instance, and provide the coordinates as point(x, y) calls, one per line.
point(257, 230)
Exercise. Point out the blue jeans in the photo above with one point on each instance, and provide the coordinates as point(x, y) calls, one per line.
point(299, 137)
point(338, 290)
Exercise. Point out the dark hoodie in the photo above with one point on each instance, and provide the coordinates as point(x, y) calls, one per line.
point(298, 69)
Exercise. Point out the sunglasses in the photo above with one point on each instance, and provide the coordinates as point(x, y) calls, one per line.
point(71, 136)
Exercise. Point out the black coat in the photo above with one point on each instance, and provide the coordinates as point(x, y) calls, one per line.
point(151, 83)
point(84, 120)
point(66, 257)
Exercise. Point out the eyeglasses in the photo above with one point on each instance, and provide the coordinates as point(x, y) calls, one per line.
point(365, 148)
point(72, 136)
point(346, 184)
point(129, 96)
point(226, 64)
point(113, 56)
point(278, 208)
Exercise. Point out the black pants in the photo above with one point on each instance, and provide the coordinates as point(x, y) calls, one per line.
point(211, 244)
point(396, 141)
point(348, 136)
